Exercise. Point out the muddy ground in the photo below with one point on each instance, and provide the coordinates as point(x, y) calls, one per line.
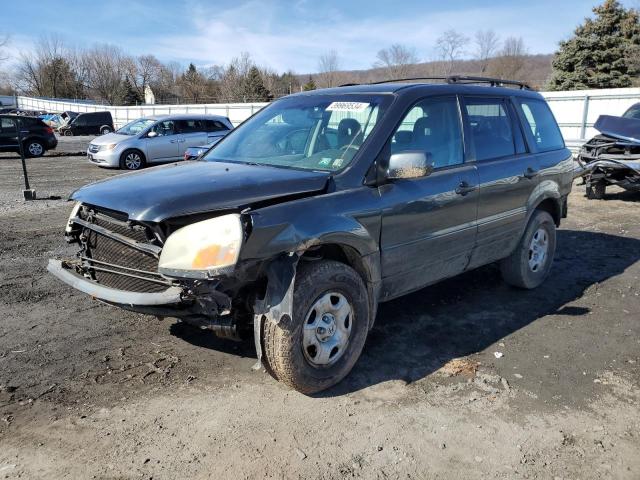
point(90, 391)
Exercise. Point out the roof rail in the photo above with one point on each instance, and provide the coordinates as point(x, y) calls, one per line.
point(453, 79)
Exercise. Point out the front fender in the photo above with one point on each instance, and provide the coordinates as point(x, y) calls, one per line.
point(350, 218)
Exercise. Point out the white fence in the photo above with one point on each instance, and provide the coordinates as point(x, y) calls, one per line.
point(576, 111)
point(236, 112)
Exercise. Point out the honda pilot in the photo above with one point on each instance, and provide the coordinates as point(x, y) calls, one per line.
point(294, 227)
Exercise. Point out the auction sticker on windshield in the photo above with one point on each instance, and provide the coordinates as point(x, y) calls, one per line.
point(347, 107)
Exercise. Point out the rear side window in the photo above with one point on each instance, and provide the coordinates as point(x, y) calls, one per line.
point(191, 126)
point(542, 124)
point(215, 126)
point(490, 126)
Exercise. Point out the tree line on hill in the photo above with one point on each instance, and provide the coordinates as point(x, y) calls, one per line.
point(604, 52)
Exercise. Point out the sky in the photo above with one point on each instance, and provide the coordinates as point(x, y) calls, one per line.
point(285, 34)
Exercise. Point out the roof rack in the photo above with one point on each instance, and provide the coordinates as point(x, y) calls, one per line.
point(454, 79)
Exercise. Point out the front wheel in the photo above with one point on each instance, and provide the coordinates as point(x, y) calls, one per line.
point(68, 133)
point(319, 346)
point(132, 160)
point(530, 263)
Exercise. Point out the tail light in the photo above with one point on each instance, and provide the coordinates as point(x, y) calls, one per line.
point(49, 130)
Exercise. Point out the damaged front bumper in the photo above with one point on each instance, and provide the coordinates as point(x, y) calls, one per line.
point(67, 273)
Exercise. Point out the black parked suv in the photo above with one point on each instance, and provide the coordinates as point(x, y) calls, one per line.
point(37, 137)
point(299, 222)
point(94, 123)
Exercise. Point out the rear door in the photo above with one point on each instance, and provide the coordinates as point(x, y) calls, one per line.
point(164, 146)
point(429, 223)
point(215, 131)
point(507, 172)
point(193, 133)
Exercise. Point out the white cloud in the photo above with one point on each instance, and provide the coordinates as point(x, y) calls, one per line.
point(294, 35)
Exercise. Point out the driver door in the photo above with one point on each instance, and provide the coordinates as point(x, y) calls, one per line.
point(164, 146)
point(429, 223)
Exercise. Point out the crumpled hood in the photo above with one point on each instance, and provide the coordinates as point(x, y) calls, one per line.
point(178, 189)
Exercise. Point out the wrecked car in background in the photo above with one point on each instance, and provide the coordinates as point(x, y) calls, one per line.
point(296, 224)
point(613, 157)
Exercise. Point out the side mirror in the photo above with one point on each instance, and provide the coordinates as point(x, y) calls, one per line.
point(409, 164)
point(152, 134)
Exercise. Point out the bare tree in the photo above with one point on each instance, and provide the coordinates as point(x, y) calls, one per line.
point(104, 66)
point(142, 71)
point(487, 45)
point(4, 41)
point(48, 71)
point(451, 46)
point(397, 60)
point(328, 66)
point(231, 79)
point(510, 60)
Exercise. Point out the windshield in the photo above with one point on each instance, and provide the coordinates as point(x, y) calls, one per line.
point(310, 132)
point(633, 112)
point(136, 127)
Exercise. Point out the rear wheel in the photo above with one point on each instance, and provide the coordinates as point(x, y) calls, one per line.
point(596, 191)
point(34, 148)
point(530, 263)
point(132, 160)
point(318, 347)
point(105, 130)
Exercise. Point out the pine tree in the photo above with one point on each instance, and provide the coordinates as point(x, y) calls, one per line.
point(310, 85)
point(254, 89)
point(130, 95)
point(602, 53)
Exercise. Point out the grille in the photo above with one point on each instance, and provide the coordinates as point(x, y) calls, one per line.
point(94, 148)
point(102, 250)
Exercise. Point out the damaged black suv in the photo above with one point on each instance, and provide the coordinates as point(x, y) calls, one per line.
point(323, 204)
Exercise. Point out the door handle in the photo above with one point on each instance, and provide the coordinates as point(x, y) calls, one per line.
point(173, 141)
point(530, 173)
point(464, 188)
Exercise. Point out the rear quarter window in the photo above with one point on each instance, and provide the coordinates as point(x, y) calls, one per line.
point(542, 124)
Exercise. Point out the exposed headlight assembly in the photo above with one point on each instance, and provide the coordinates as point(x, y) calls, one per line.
point(203, 249)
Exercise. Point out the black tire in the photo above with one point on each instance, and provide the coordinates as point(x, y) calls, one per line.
point(284, 356)
point(105, 130)
point(33, 148)
point(128, 160)
point(516, 268)
point(596, 191)
point(67, 133)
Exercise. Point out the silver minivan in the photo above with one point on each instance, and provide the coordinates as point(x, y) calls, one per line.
point(156, 139)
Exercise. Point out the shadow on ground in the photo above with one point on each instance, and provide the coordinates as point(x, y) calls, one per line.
point(417, 334)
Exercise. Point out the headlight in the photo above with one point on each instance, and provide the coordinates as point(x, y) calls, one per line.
point(202, 249)
point(74, 213)
point(111, 146)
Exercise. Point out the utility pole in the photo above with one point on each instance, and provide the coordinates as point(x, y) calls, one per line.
point(28, 192)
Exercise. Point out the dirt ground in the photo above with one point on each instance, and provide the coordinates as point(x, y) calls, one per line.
point(90, 391)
